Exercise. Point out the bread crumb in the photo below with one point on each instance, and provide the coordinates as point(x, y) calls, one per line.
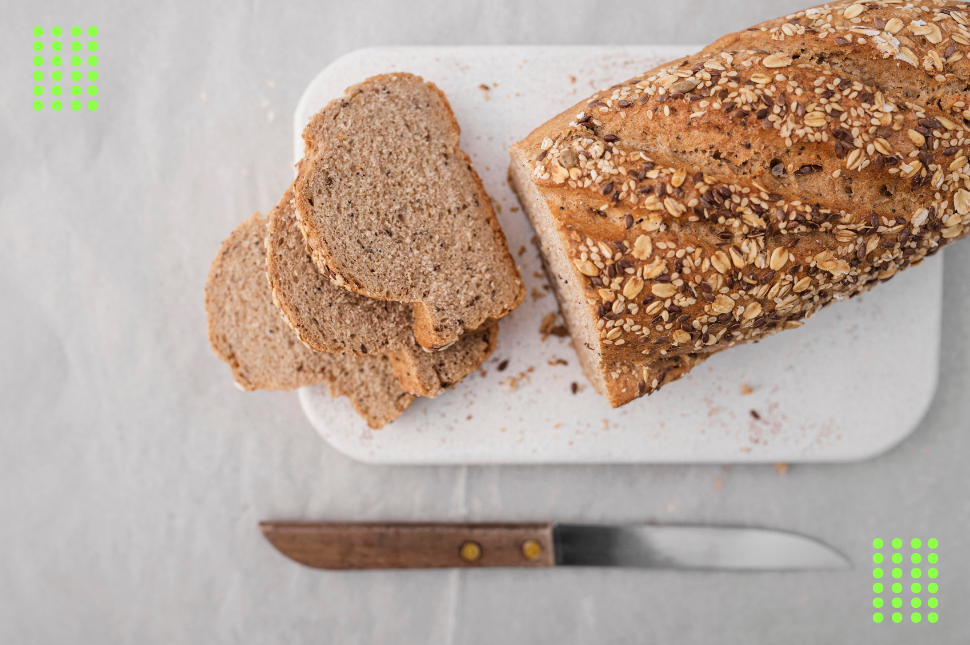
point(484, 87)
point(781, 468)
point(575, 387)
point(572, 79)
point(746, 389)
point(550, 328)
point(522, 249)
point(503, 365)
point(498, 208)
point(557, 361)
point(754, 413)
point(606, 424)
point(514, 209)
point(536, 294)
point(512, 383)
point(745, 449)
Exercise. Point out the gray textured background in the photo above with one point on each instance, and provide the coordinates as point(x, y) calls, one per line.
point(132, 472)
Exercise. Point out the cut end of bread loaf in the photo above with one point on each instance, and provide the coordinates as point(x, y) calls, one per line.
point(425, 373)
point(247, 332)
point(326, 317)
point(392, 209)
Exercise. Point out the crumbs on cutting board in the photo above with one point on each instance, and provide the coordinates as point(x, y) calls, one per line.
point(755, 415)
point(746, 389)
point(511, 383)
point(575, 387)
point(781, 468)
point(522, 249)
point(501, 366)
point(550, 328)
point(555, 360)
point(536, 294)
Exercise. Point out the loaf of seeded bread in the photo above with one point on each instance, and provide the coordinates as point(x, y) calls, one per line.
point(248, 333)
point(729, 195)
point(328, 318)
point(392, 209)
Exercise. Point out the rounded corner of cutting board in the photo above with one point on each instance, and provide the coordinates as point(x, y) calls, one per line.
point(354, 450)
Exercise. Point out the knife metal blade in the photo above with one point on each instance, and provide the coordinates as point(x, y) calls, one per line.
point(691, 547)
point(427, 545)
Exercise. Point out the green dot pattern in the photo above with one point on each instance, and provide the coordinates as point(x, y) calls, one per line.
point(920, 595)
point(82, 39)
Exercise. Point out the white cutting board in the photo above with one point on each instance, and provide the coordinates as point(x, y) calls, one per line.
point(851, 383)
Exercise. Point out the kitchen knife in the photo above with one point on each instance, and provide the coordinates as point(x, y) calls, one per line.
point(411, 546)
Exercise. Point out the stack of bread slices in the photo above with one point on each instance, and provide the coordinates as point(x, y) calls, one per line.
point(381, 273)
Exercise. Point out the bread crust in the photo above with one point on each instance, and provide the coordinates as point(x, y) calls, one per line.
point(729, 195)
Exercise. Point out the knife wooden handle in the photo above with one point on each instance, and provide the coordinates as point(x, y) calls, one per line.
point(412, 546)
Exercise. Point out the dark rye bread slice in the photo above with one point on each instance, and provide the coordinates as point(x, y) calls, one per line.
point(392, 209)
point(247, 332)
point(331, 319)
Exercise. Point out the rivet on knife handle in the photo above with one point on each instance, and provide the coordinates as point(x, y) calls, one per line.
point(405, 546)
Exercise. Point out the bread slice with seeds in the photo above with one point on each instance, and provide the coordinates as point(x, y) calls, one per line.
point(328, 318)
point(729, 195)
point(248, 333)
point(392, 209)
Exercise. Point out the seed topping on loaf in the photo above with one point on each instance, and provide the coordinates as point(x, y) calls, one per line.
point(728, 195)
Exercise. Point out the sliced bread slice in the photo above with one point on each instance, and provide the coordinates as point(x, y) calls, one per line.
point(329, 318)
point(326, 317)
point(392, 209)
point(247, 332)
point(430, 373)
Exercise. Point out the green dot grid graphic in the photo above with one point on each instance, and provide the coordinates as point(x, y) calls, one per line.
point(78, 43)
point(920, 593)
